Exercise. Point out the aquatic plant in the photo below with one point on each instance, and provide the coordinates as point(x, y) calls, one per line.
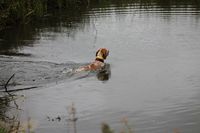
point(8, 123)
point(105, 128)
point(3, 130)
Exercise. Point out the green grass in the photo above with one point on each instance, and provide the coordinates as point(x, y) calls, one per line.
point(2, 130)
point(13, 12)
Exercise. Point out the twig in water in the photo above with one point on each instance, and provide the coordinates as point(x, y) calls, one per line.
point(27, 88)
point(6, 89)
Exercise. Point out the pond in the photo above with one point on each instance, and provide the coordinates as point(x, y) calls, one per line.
point(154, 67)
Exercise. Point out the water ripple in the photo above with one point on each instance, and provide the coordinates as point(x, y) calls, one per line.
point(132, 9)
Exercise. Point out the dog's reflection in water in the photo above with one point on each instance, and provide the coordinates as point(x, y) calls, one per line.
point(104, 74)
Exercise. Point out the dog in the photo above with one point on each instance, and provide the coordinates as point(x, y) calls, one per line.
point(98, 63)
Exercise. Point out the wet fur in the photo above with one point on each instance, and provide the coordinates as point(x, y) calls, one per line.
point(98, 63)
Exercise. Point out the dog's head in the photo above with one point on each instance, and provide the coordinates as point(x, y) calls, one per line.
point(102, 53)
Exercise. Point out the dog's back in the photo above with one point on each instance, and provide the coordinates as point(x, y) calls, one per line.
point(101, 55)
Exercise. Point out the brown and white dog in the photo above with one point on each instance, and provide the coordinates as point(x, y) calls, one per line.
point(98, 63)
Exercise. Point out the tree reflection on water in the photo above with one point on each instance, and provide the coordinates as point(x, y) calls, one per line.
point(57, 15)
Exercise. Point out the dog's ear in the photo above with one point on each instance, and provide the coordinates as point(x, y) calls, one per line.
point(105, 53)
point(97, 52)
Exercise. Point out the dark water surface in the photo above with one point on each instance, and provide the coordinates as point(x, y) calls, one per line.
point(154, 61)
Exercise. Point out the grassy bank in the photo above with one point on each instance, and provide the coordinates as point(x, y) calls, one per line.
point(13, 12)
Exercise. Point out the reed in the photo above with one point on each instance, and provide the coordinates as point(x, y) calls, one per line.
point(13, 12)
point(105, 128)
point(3, 130)
point(3, 127)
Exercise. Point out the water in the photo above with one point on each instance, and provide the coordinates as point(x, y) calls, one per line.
point(154, 63)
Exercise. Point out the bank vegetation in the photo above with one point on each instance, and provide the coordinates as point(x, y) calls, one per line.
point(14, 12)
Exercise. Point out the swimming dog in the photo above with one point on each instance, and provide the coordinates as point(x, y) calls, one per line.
point(98, 63)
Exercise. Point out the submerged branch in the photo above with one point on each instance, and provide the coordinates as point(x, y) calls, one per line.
point(27, 88)
point(6, 89)
point(14, 90)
